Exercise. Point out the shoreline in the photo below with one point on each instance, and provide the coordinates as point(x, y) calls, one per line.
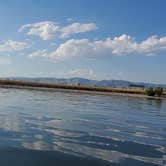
point(76, 89)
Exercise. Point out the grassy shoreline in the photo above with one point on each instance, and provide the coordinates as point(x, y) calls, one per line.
point(78, 88)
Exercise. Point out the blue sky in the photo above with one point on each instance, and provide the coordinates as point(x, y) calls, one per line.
point(97, 39)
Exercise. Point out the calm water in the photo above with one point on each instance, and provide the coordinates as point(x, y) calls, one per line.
point(58, 128)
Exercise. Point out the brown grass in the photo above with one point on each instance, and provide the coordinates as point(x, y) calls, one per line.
point(29, 84)
point(74, 87)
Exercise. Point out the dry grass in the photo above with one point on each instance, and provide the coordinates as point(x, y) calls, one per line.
point(28, 84)
point(74, 87)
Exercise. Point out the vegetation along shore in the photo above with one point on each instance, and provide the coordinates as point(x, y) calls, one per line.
point(149, 92)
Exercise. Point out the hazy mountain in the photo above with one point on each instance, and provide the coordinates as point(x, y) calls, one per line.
point(83, 81)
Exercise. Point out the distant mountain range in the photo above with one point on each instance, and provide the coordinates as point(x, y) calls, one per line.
point(83, 81)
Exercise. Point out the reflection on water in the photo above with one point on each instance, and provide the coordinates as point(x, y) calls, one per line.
point(80, 129)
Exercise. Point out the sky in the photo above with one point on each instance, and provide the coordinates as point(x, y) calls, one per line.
point(94, 39)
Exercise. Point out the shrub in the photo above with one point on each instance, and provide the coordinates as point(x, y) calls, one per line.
point(159, 91)
point(150, 91)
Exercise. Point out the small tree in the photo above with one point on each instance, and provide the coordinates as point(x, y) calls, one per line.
point(159, 91)
point(150, 91)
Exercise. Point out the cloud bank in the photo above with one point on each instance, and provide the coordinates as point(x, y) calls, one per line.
point(47, 29)
point(118, 46)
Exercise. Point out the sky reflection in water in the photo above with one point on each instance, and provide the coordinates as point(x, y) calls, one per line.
point(113, 129)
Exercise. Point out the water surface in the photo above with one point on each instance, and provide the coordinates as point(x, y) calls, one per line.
point(62, 128)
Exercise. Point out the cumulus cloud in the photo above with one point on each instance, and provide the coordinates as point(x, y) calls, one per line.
point(48, 30)
point(118, 46)
point(10, 46)
point(153, 45)
point(74, 28)
point(45, 30)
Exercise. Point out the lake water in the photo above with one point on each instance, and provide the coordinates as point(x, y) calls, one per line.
point(77, 129)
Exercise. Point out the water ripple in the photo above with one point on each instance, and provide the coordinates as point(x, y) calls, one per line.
point(116, 129)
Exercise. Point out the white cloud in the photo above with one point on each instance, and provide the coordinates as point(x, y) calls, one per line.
point(48, 30)
point(81, 73)
point(75, 28)
point(38, 53)
point(72, 48)
point(153, 45)
point(10, 46)
point(118, 46)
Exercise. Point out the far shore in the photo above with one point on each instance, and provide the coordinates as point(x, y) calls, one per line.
point(131, 92)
